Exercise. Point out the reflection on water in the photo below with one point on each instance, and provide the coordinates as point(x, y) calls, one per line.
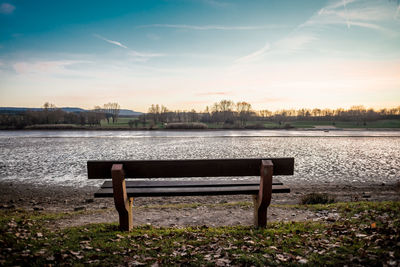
point(194, 133)
point(59, 157)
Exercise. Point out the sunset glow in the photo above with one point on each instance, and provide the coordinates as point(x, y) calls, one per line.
point(190, 54)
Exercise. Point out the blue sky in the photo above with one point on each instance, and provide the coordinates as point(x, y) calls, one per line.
point(190, 53)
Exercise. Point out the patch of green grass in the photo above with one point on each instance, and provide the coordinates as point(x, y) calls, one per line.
point(316, 198)
point(124, 123)
point(372, 124)
point(366, 233)
point(121, 122)
point(348, 124)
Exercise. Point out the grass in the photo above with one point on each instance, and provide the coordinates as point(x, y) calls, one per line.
point(123, 123)
point(312, 124)
point(348, 124)
point(367, 233)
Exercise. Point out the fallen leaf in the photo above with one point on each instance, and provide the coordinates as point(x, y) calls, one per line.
point(281, 257)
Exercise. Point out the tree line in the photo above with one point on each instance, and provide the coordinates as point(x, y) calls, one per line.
point(50, 114)
point(239, 113)
point(224, 112)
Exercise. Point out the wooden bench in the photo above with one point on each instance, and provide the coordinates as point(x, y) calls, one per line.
point(124, 192)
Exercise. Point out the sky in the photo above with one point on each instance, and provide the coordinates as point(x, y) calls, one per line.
point(187, 54)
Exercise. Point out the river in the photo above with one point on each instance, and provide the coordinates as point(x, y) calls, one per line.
point(340, 157)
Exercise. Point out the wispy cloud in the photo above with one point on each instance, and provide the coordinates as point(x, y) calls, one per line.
point(216, 3)
point(6, 8)
point(110, 41)
point(137, 56)
point(57, 66)
point(346, 15)
point(213, 93)
point(338, 3)
point(143, 57)
point(352, 13)
point(336, 13)
point(153, 36)
point(212, 27)
point(255, 55)
point(271, 100)
point(295, 42)
point(289, 44)
point(397, 13)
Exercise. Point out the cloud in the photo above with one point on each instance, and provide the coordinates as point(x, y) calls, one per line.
point(255, 55)
point(153, 36)
point(213, 93)
point(110, 41)
point(57, 66)
point(364, 14)
point(137, 56)
point(268, 100)
point(289, 44)
point(6, 8)
point(143, 57)
point(215, 3)
point(361, 14)
point(339, 3)
point(211, 27)
point(294, 42)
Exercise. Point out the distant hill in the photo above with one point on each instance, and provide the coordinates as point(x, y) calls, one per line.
point(128, 112)
point(69, 109)
point(14, 110)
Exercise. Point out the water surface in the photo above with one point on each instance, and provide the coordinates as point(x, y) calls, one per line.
point(342, 157)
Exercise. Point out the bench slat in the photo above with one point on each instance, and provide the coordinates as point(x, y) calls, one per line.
point(188, 168)
point(190, 191)
point(190, 183)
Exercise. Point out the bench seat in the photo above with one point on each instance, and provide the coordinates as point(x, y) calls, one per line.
point(159, 188)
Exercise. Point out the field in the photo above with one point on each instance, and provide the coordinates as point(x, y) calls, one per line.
point(124, 123)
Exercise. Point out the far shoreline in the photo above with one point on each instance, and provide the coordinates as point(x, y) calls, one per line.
point(118, 129)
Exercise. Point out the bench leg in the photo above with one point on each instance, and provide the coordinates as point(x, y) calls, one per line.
point(123, 204)
point(263, 199)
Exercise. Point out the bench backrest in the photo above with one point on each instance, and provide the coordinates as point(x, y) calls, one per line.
point(189, 168)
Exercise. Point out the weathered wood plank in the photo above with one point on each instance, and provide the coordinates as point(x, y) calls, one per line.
point(189, 168)
point(264, 194)
point(190, 191)
point(123, 204)
point(188, 183)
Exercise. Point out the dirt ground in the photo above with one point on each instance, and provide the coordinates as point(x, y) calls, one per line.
point(212, 211)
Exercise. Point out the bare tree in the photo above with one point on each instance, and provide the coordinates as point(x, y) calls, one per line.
point(112, 110)
point(244, 112)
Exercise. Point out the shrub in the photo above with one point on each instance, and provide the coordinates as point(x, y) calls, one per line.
point(288, 126)
point(191, 125)
point(316, 198)
point(258, 125)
